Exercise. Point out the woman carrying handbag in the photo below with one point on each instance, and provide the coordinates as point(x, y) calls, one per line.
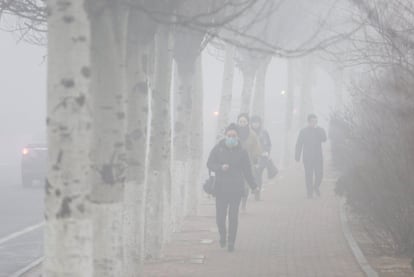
point(231, 165)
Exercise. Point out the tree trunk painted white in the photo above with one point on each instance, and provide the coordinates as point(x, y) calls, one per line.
point(247, 91)
point(183, 92)
point(226, 91)
point(186, 51)
point(159, 162)
point(290, 94)
point(108, 32)
point(137, 60)
point(68, 229)
point(259, 90)
point(196, 143)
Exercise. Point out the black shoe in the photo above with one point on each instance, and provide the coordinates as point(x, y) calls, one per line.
point(222, 243)
point(230, 248)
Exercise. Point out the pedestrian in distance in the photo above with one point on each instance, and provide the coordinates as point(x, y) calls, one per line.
point(250, 142)
point(309, 146)
point(231, 165)
point(266, 146)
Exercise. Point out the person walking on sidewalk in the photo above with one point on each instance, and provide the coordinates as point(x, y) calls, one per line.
point(250, 142)
point(231, 165)
point(266, 146)
point(309, 142)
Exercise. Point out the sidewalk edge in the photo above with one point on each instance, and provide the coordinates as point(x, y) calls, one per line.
point(353, 245)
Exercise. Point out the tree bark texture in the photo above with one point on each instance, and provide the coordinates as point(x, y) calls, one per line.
point(68, 229)
point(186, 51)
point(108, 31)
point(158, 212)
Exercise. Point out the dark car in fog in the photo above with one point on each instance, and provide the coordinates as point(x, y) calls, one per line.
point(34, 163)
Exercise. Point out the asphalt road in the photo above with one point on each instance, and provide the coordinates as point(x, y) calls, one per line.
point(20, 209)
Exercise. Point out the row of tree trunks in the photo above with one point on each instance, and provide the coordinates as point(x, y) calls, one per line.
point(68, 228)
point(110, 198)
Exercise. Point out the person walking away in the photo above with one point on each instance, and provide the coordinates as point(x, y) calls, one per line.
point(266, 147)
point(309, 142)
point(231, 165)
point(250, 142)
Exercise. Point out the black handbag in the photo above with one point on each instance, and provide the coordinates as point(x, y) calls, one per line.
point(272, 170)
point(209, 185)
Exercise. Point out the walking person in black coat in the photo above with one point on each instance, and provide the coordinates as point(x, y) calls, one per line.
point(310, 143)
point(231, 165)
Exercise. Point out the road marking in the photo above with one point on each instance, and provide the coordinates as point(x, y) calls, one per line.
point(20, 233)
point(27, 268)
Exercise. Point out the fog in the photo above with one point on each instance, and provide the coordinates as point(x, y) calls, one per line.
point(206, 138)
point(23, 100)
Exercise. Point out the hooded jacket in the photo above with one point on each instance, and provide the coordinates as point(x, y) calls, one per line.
point(231, 182)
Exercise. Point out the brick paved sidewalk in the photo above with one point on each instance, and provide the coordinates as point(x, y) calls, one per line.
point(284, 235)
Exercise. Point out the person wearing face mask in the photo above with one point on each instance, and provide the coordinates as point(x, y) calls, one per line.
point(231, 165)
point(250, 142)
point(309, 143)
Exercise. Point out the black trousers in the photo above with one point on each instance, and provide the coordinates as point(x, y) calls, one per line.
point(313, 175)
point(227, 205)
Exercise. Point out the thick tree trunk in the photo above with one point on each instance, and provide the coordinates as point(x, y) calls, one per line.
point(247, 91)
point(68, 229)
point(290, 94)
point(226, 92)
point(186, 51)
point(194, 188)
point(136, 143)
point(159, 171)
point(108, 31)
point(183, 94)
point(259, 90)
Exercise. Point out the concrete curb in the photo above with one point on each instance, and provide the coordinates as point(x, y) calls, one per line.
point(25, 270)
point(356, 250)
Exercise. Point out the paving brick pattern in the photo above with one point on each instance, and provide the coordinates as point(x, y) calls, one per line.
point(283, 235)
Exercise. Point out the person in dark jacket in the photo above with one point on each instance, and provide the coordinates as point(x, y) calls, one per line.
point(310, 143)
point(266, 147)
point(231, 165)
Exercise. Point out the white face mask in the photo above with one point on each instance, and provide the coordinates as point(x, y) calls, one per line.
point(232, 142)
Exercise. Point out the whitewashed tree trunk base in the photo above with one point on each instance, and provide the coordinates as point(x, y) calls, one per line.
point(180, 180)
point(75, 237)
point(155, 228)
point(133, 228)
point(108, 230)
